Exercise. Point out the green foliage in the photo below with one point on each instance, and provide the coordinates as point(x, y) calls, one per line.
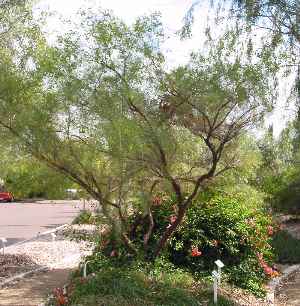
point(279, 174)
point(140, 283)
point(85, 217)
point(225, 223)
point(227, 227)
point(286, 191)
point(27, 178)
point(286, 248)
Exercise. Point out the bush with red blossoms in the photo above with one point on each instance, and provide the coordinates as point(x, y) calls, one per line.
point(218, 226)
point(225, 228)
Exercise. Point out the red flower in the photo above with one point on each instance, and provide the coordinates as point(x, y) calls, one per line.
point(195, 252)
point(270, 230)
point(173, 218)
point(275, 274)
point(268, 270)
point(113, 253)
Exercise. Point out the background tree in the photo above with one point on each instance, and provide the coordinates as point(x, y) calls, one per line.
point(280, 17)
point(25, 177)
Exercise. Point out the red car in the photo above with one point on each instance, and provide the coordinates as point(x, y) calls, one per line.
point(6, 197)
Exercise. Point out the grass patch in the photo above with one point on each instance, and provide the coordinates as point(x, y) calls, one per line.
point(113, 286)
point(286, 248)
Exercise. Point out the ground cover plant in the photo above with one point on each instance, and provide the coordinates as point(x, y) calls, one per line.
point(85, 217)
point(134, 283)
point(286, 248)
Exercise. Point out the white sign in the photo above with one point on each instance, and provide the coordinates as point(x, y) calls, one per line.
point(219, 263)
point(215, 275)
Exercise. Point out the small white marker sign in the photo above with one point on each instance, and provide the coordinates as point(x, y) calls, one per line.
point(4, 240)
point(215, 275)
point(219, 263)
point(53, 236)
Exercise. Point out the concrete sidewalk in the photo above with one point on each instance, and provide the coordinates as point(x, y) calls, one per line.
point(33, 291)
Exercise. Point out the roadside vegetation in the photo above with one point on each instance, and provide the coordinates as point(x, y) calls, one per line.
point(170, 155)
point(286, 247)
point(154, 284)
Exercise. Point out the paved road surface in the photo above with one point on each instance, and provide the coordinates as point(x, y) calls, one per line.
point(20, 221)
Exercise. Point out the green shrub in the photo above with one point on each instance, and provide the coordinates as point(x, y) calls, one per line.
point(231, 226)
point(139, 283)
point(286, 248)
point(84, 217)
point(225, 228)
point(283, 190)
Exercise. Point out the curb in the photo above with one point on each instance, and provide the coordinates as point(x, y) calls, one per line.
point(36, 236)
point(22, 275)
point(274, 283)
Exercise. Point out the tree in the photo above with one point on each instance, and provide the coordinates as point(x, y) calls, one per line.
point(281, 17)
point(25, 177)
point(102, 110)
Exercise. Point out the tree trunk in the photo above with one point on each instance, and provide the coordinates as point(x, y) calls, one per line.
point(170, 230)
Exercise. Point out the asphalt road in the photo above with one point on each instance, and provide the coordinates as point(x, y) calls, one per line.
point(20, 221)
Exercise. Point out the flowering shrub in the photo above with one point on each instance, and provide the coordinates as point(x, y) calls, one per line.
point(229, 227)
point(224, 227)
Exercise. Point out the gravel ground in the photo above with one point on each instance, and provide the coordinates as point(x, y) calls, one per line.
point(59, 254)
point(11, 265)
point(53, 254)
point(62, 253)
point(241, 297)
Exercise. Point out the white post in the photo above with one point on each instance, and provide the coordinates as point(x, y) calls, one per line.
point(3, 244)
point(215, 286)
point(84, 269)
point(53, 236)
point(220, 265)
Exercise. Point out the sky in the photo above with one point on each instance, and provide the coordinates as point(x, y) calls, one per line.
point(175, 50)
point(172, 11)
